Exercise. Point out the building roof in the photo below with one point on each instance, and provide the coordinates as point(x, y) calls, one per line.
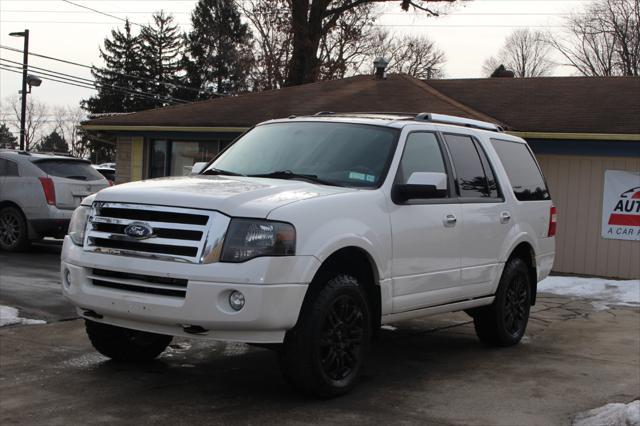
point(608, 105)
point(553, 104)
point(353, 94)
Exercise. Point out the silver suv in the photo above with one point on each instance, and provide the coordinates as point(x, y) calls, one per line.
point(38, 194)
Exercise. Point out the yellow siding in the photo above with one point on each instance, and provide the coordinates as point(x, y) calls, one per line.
point(576, 184)
point(137, 154)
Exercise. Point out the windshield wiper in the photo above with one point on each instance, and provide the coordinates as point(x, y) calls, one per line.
point(288, 174)
point(215, 171)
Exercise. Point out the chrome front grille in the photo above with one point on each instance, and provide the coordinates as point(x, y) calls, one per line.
point(178, 234)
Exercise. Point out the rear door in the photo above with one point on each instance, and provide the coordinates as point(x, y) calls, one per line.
point(486, 218)
point(73, 180)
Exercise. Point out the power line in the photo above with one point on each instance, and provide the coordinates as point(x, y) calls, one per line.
point(96, 68)
point(92, 85)
point(99, 12)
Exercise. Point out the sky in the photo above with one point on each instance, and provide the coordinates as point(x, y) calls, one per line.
point(470, 32)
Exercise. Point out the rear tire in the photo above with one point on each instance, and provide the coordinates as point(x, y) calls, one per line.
point(123, 344)
point(324, 354)
point(13, 230)
point(504, 322)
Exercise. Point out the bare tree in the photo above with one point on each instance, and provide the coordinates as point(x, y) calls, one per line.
point(311, 20)
point(525, 52)
point(35, 119)
point(604, 39)
point(67, 123)
point(271, 22)
point(417, 56)
point(341, 50)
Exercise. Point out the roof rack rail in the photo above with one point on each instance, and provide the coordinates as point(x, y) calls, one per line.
point(324, 113)
point(459, 121)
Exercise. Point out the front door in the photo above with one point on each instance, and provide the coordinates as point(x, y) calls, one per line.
point(426, 233)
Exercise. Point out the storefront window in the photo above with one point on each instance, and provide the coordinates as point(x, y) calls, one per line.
point(176, 158)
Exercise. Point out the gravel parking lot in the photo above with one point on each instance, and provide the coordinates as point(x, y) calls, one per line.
point(432, 371)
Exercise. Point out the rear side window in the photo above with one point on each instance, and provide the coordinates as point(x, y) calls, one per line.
point(473, 180)
point(69, 169)
point(525, 176)
point(8, 168)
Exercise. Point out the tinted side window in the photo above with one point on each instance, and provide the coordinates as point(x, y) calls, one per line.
point(526, 180)
point(491, 180)
point(8, 168)
point(421, 154)
point(472, 181)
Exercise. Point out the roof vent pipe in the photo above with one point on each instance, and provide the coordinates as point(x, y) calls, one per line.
point(380, 65)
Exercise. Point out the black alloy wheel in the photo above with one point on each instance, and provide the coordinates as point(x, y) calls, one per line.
point(342, 338)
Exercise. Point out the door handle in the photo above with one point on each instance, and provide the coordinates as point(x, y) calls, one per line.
point(505, 217)
point(450, 220)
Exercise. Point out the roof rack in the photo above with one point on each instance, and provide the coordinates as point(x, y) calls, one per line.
point(458, 121)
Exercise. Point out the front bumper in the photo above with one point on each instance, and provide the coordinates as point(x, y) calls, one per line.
point(274, 289)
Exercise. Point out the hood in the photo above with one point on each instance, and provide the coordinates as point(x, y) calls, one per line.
point(233, 196)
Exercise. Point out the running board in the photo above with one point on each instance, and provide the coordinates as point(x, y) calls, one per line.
point(433, 310)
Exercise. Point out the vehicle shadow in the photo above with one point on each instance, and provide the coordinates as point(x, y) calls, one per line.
point(229, 382)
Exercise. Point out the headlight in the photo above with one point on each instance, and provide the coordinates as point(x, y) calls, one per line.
point(249, 238)
point(78, 224)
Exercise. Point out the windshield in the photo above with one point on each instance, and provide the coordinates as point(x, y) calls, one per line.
point(70, 169)
point(342, 154)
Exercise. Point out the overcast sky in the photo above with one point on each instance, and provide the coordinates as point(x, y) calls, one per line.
point(468, 34)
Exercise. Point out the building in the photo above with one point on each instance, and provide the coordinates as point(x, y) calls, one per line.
point(578, 127)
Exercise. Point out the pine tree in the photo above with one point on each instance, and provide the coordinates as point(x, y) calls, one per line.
point(7, 139)
point(161, 44)
point(218, 49)
point(118, 82)
point(53, 142)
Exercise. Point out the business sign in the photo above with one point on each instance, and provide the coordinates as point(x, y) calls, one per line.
point(621, 205)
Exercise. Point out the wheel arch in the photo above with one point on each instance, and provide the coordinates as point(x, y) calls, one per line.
point(525, 251)
point(356, 261)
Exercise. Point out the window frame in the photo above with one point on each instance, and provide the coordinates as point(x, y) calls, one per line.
point(451, 197)
point(478, 145)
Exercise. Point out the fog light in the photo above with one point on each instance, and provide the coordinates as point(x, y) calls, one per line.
point(67, 278)
point(236, 300)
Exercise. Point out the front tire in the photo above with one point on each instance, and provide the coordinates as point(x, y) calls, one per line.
point(504, 322)
point(324, 354)
point(123, 344)
point(13, 230)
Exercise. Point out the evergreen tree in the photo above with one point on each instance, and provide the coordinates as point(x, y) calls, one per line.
point(218, 49)
point(7, 139)
point(53, 142)
point(116, 82)
point(161, 44)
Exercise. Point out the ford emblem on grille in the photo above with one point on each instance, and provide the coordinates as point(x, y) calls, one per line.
point(139, 230)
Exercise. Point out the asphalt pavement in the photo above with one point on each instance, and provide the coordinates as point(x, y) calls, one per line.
point(429, 371)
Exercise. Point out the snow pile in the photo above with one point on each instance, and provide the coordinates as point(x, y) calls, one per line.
point(605, 292)
point(611, 415)
point(9, 316)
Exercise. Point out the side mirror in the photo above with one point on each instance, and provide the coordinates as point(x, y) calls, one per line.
point(421, 185)
point(198, 167)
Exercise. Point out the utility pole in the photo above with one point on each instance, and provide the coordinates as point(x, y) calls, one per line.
point(25, 64)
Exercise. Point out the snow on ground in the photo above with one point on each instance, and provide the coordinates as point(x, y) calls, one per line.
point(604, 292)
point(9, 316)
point(611, 415)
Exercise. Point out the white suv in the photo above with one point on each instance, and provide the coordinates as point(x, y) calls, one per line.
point(308, 233)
